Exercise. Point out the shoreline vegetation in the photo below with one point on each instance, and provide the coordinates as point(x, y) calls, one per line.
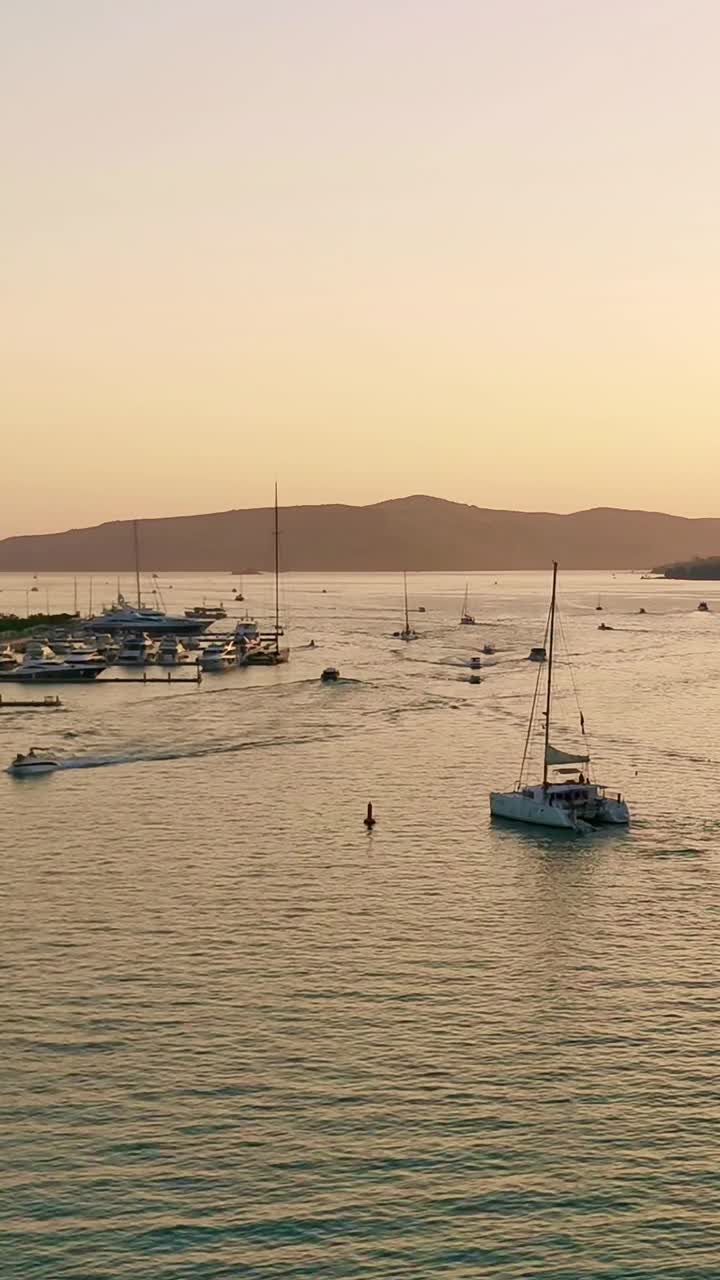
point(14, 627)
point(700, 568)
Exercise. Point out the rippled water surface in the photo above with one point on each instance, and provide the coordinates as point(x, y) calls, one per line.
point(241, 1037)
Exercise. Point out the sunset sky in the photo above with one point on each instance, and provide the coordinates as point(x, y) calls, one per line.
point(368, 247)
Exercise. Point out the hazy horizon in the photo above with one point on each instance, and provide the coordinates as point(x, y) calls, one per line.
point(365, 249)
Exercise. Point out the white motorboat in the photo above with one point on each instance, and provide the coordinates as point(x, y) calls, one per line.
point(219, 656)
point(171, 653)
point(576, 804)
point(466, 618)
point(33, 763)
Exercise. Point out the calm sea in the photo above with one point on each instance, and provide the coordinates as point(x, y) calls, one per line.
point(242, 1038)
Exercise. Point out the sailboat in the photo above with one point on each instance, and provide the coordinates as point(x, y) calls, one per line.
point(575, 804)
point(272, 654)
point(407, 632)
point(466, 619)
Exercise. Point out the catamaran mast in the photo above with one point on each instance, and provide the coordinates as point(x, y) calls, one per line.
point(137, 562)
point(548, 699)
point(277, 575)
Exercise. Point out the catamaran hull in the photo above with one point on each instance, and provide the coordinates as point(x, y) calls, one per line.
point(521, 809)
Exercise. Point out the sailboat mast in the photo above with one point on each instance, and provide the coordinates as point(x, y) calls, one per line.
point(137, 562)
point(277, 575)
point(548, 700)
point(407, 618)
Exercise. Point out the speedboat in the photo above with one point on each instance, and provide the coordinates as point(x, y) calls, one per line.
point(488, 648)
point(34, 762)
point(572, 805)
point(171, 653)
point(703, 607)
point(330, 675)
point(605, 627)
point(124, 617)
point(537, 654)
point(421, 608)
point(474, 679)
point(219, 656)
point(475, 663)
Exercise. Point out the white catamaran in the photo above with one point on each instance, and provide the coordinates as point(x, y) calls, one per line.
point(575, 804)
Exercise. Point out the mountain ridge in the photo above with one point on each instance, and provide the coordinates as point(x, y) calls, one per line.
point(417, 532)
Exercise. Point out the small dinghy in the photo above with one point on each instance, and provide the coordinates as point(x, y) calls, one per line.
point(330, 675)
point(24, 766)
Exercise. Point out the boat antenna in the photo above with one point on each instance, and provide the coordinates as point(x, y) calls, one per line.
point(407, 619)
point(137, 562)
point(548, 700)
point(277, 575)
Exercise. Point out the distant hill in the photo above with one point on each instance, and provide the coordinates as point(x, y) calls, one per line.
point(413, 533)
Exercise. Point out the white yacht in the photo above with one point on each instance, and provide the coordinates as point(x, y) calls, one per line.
point(576, 804)
point(80, 654)
point(124, 617)
point(171, 653)
point(220, 655)
point(9, 659)
point(247, 629)
point(45, 665)
point(136, 651)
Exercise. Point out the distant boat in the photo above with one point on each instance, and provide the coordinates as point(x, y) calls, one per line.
point(604, 627)
point(488, 648)
point(703, 607)
point(330, 675)
point(574, 805)
point(537, 654)
point(466, 618)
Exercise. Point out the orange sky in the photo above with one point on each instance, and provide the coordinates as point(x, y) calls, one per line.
point(371, 248)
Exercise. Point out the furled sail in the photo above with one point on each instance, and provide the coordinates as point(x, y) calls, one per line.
point(553, 756)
